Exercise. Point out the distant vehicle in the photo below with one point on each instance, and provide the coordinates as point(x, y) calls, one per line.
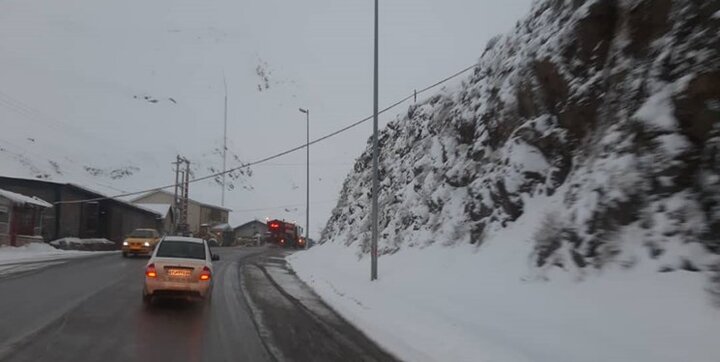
point(140, 242)
point(180, 267)
point(285, 234)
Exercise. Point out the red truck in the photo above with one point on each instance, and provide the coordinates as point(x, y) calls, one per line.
point(285, 234)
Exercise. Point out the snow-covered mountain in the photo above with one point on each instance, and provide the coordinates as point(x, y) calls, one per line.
point(600, 116)
point(106, 95)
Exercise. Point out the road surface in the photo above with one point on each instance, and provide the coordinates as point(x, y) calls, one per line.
point(91, 310)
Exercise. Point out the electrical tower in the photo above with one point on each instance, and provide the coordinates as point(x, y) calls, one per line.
point(180, 201)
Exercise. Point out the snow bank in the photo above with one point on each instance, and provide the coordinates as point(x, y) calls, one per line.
point(467, 303)
point(33, 252)
point(71, 243)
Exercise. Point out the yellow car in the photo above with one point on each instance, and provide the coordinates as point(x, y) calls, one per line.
point(140, 242)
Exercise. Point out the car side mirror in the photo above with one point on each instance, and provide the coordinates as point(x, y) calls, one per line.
point(215, 257)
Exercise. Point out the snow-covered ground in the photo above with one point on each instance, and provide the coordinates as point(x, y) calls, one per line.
point(71, 243)
point(37, 252)
point(487, 303)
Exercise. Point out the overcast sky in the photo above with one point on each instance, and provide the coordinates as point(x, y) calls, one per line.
point(83, 62)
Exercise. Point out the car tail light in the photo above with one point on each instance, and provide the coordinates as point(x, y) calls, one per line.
point(205, 274)
point(150, 271)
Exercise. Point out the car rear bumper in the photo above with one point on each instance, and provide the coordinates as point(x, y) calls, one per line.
point(164, 288)
point(142, 250)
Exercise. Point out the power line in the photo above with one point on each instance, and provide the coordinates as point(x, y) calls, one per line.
point(314, 164)
point(283, 153)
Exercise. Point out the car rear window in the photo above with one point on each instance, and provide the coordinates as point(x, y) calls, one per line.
point(181, 249)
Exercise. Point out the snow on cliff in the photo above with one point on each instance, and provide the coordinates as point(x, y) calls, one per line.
point(612, 103)
point(560, 205)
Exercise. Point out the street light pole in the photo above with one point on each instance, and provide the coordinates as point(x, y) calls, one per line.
point(224, 152)
point(307, 176)
point(375, 183)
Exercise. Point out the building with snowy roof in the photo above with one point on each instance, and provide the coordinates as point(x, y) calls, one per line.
point(81, 212)
point(21, 218)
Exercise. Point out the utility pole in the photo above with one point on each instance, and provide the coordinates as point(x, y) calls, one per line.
point(186, 194)
point(224, 153)
point(176, 196)
point(181, 196)
point(307, 176)
point(375, 183)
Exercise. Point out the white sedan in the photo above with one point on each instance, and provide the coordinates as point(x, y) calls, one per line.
point(180, 267)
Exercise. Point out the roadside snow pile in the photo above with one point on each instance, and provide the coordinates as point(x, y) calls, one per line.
point(83, 244)
point(35, 252)
point(462, 303)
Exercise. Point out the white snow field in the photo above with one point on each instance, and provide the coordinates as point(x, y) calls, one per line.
point(487, 303)
point(37, 252)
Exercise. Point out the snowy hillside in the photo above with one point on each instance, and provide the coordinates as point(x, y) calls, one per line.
point(610, 106)
point(559, 205)
point(93, 98)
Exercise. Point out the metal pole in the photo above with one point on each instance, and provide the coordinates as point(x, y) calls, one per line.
point(375, 183)
point(307, 174)
point(186, 195)
point(222, 197)
point(176, 199)
point(307, 177)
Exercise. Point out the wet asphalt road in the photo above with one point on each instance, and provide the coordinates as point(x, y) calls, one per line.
point(91, 310)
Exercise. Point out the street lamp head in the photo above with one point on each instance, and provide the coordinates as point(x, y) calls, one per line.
point(304, 110)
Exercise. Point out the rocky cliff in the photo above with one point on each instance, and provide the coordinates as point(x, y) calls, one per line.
point(611, 107)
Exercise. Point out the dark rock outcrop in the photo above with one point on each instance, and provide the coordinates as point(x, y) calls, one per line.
point(611, 107)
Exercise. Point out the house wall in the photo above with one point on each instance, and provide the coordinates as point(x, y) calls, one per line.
point(108, 219)
point(155, 198)
point(5, 221)
point(125, 219)
point(165, 198)
point(197, 214)
point(212, 216)
point(8, 216)
point(49, 192)
point(71, 216)
point(250, 230)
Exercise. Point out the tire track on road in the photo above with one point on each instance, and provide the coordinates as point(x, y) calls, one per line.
point(296, 330)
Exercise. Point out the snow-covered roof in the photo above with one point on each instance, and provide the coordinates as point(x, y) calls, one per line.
point(162, 209)
point(224, 227)
point(210, 206)
point(81, 188)
point(250, 223)
point(89, 190)
point(22, 199)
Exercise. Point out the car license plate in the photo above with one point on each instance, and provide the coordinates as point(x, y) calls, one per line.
point(179, 273)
